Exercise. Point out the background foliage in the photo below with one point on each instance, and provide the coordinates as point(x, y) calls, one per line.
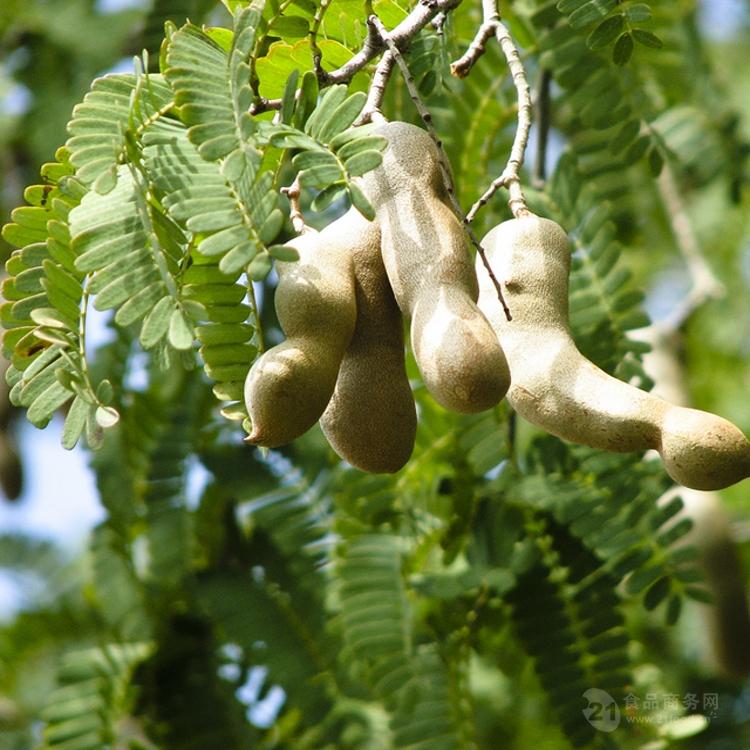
point(469, 600)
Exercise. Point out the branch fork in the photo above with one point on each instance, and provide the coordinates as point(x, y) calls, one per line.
point(492, 26)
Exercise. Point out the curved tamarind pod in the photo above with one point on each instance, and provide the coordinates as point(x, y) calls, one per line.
point(555, 387)
point(289, 387)
point(427, 259)
point(371, 420)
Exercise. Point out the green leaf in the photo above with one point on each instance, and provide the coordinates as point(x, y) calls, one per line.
point(590, 12)
point(674, 608)
point(605, 32)
point(625, 136)
point(282, 58)
point(294, 139)
point(363, 162)
point(180, 330)
point(699, 594)
point(360, 202)
point(623, 49)
point(638, 13)
point(329, 102)
point(48, 316)
point(335, 122)
point(107, 417)
point(260, 267)
point(657, 593)
point(356, 133)
point(308, 97)
point(349, 148)
point(156, 323)
point(224, 334)
point(647, 39)
point(316, 160)
point(197, 69)
point(284, 253)
point(290, 28)
point(105, 392)
point(99, 124)
point(326, 197)
point(75, 422)
point(271, 226)
point(288, 99)
point(655, 162)
point(637, 150)
point(47, 403)
point(320, 176)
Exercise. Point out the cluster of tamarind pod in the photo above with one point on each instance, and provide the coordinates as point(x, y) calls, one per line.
point(342, 362)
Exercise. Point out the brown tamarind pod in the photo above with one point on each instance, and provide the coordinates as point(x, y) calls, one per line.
point(289, 387)
point(371, 420)
point(428, 262)
point(555, 387)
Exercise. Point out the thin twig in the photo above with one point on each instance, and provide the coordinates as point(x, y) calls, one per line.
point(424, 13)
point(317, 55)
point(293, 192)
point(442, 157)
point(517, 201)
point(490, 17)
point(462, 67)
point(438, 23)
point(264, 105)
point(510, 177)
point(401, 35)
point(704, 284)
point(371, 111)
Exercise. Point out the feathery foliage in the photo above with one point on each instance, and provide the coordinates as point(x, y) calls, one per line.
point(238, 597)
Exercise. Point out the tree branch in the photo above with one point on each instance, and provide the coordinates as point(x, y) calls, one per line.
point(493, 26)
point(401, 35)
point(317, 55)
point(442, 157)
point(423, 14)
point(375, 95)
point(705, 285)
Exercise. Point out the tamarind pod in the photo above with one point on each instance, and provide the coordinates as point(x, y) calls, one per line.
point(554, 387)
point(426, 255)
point(371, 420)
point(289, 387)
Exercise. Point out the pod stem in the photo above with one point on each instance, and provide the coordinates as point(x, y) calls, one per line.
point(371, 111)
point(292, 192)
point(492, 26)
point(704, 284)
point(426, 117)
